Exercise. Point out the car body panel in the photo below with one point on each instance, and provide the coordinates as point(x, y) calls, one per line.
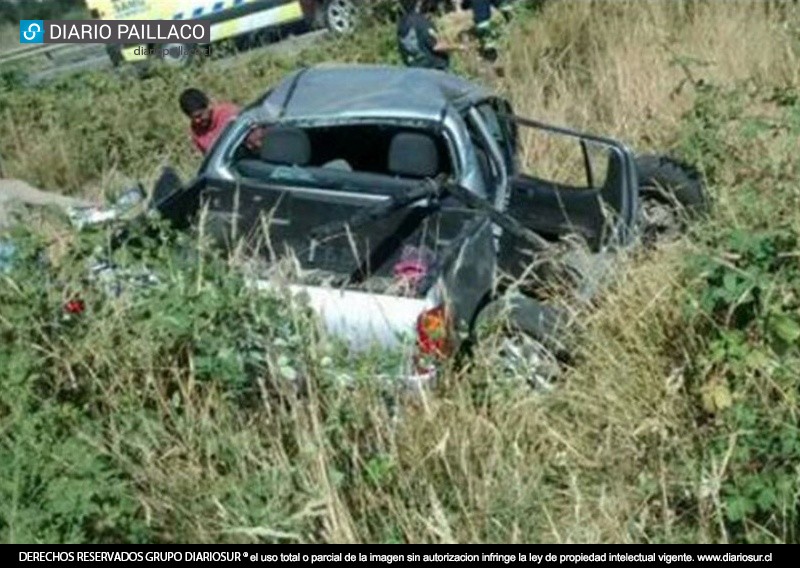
point(432, 100)
point(347, 90)
point(364, 320)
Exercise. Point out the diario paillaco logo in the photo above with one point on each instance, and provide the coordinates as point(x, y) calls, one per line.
point(31, 31)
point(124, 32)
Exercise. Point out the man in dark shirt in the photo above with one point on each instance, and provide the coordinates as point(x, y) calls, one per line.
point(482, 14)
point(418, 39)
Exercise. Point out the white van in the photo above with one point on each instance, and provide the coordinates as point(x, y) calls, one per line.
point(229, 19)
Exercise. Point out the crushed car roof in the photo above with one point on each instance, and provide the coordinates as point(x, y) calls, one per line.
point(363, 91)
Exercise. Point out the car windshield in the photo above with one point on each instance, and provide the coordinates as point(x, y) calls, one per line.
point(355, 157)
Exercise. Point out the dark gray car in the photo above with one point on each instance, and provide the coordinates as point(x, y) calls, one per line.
point(399, 203)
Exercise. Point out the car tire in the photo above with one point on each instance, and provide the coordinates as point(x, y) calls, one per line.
point(176, 54)
point(114, 52)
point(670, 194)
point(529, 339)
point(340, 16)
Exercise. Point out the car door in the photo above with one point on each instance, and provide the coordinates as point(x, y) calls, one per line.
point(562, 183)
point(249, 214)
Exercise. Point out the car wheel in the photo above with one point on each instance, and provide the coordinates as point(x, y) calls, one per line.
point(341, 16)
point(175, 54)
point(114, 54)
point(524, 358)
point(670, 194)
point(522, 340)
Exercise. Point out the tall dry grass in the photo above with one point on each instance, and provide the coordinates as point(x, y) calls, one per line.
point(621, 424)
point(620, 67)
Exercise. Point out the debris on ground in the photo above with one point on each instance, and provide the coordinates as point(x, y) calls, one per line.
point(16, 196)
point(14, 192)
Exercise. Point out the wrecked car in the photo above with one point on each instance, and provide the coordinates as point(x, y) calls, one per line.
point(405, 207)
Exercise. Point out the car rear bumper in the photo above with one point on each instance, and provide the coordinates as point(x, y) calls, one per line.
point(364, 321)
point(361, 319)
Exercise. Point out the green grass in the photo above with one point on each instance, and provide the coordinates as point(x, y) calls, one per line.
point(9, 36)
point(173, 417)
point(98, 124)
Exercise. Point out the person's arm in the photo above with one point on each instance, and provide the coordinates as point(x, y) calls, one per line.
point(255, 138)
point(443, 46)
point(440, 45)
point(196, 143)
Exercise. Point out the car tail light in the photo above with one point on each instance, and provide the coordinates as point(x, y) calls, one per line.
point(433, 333)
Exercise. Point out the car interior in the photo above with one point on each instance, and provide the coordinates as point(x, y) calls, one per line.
point(381, 159)
point(374, 158)
point(553, 209)
point(365, 159)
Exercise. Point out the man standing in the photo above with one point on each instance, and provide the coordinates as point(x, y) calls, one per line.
point(418, 39)
point(207, 119)
point(482, 15)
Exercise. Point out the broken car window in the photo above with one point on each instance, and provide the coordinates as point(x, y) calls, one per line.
point(344, 155)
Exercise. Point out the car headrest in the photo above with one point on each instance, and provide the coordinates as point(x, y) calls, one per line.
point(413, 154)
point(287, 146)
